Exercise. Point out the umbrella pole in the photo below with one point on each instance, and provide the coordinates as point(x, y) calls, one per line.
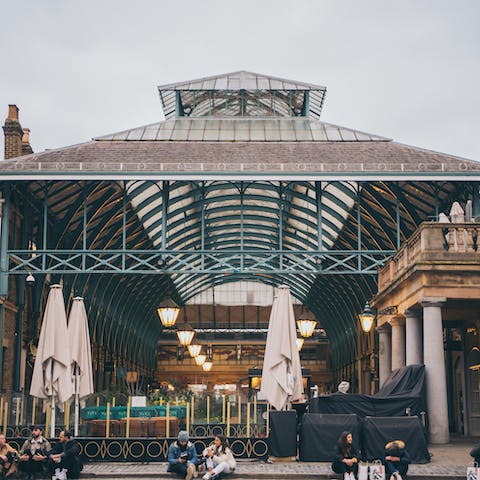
point(52, 417)
point(77, 404)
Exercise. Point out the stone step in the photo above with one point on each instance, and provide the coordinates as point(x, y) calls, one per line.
point(254, 475)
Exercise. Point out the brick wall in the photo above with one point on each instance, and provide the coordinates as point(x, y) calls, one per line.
point(17, 143)
point(9, 351)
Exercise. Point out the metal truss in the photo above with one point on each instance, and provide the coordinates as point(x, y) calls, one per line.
point(254, 262)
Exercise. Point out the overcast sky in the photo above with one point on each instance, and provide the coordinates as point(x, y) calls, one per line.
point(408, 70)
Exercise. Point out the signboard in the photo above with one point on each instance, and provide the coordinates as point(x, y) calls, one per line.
point(138, 401)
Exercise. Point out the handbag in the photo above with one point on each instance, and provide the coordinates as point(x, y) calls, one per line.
point(473, 473)
point(376, 471)
point(362, 473)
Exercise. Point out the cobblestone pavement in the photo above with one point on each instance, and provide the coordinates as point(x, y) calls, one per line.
point(449, 462)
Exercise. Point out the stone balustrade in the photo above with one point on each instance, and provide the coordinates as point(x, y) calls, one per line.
point(433, 242)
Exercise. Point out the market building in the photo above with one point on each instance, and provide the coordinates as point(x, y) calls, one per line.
point(239, 189)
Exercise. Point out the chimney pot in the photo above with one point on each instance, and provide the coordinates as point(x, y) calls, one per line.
point(26, 135)
point(13, 112)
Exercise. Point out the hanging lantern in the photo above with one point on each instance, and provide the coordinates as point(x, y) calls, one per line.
point(207, 365)
point(306, 324)
point(168, 312)
point(194, 349)
point(200, 360)
point(185, 334)
point(300, 343)
point(473, 359)
point(367, 317)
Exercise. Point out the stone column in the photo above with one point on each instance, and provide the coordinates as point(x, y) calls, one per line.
point(398, 341)
point(384, 353)
point(413, 334)
point(434, 359)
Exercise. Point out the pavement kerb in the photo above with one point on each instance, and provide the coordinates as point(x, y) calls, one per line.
point(262, 470)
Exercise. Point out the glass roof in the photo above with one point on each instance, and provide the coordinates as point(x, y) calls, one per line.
point(241, 80)
point(229, 214)
point(242, 94)
point(210, 129)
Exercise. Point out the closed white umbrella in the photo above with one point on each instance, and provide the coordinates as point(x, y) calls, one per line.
point(51, 373)
point(81, 355)
point(282, 372)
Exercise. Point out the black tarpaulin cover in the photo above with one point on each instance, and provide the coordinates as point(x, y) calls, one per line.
point(320, 432)
point(377, 432)
point(409, 379)
point(404, 389)
point(282, 439)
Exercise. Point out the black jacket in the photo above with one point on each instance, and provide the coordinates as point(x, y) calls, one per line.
point(400, 453)
point(339, 456)
point(70, 448)
point(475, 453)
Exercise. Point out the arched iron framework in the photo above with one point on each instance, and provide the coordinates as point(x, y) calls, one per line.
point(222, 219)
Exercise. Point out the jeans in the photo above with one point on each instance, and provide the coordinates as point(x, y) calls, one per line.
point(392, 467)
point(340, 467)
point(223, 467)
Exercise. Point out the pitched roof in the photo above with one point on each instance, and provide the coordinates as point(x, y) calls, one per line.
point(240, 80)
point(226, 129)
point(326, 159)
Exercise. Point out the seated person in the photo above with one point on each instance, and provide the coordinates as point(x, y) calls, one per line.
point(64, 458)
point(8, 457)
point(396, 460)
point(33, 454)
point(345, 459)
point(475, 453)
point(182, 457)
point(218, 458)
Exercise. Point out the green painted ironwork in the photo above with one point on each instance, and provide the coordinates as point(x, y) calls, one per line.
point(326, 240)
point(146, 262)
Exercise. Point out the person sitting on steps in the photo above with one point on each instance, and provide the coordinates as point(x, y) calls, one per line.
point(219, 458)
point(33, 454)
point(475, 453)
point(345, 460)
point(396, 460)
point(64, 457)
point(8, 457)
point(182, 457)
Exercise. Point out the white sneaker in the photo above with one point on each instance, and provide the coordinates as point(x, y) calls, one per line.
point(61, 474)
point(206, 476)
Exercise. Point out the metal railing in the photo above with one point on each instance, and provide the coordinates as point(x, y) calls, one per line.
point(205, 416)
